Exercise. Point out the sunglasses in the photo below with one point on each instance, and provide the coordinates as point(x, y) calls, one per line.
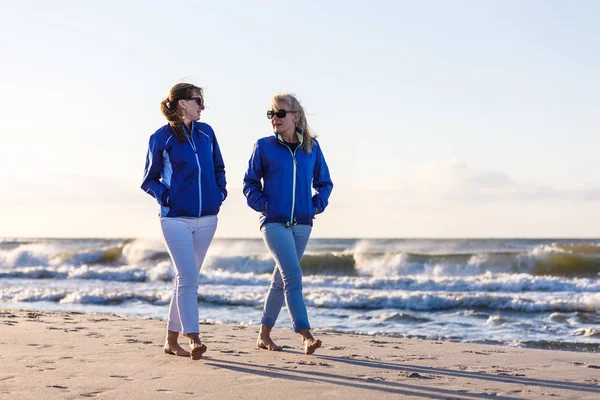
point(279, 113)
point(198, 100)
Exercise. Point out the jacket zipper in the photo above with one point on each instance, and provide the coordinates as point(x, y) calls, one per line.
point(291, 221)
point(191, 141)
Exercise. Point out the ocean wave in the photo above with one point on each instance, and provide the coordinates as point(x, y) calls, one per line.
point(373, 259)
point(84, 272)
point(560, 345)
point(432, 301)
point(249, 296)
point(164, 272)
point(549, 261)
point(403, 303)
point(587, 332)
point(50, 254)
point(402, 318)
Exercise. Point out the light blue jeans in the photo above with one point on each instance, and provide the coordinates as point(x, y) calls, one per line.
point(287, 246)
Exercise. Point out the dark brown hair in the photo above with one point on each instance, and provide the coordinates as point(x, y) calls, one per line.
point(169, 106)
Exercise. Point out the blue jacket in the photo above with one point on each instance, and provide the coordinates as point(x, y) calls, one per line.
point(289, 179)
point(186, 178)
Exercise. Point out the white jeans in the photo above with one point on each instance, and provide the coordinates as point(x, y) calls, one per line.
point(187, 241)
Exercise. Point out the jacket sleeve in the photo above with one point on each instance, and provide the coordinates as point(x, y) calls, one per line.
point(252, 181)
point(321, 181)
point(154, 164)
point(219, 168)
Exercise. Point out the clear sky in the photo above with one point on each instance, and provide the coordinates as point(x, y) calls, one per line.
point(437, 118)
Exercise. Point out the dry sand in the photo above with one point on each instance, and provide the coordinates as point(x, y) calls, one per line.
point(49, 355)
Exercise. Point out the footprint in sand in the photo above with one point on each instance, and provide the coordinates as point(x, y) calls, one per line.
point(98, 320)
point(372, 378)
point(7, 314)
point(40, 346)
point(312, 363)
point(476, 352)
point(414, 375)
point(233, 352)
point(138, 341)
point(127, 378)
point(306, 363)
point(91, 394)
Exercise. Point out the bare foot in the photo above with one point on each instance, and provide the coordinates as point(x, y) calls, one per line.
point(310, 345)
point(176, 350)
point(197, 350)
point(267, 344)
point(172, 345)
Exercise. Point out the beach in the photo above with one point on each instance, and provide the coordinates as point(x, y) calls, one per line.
point(68, 355)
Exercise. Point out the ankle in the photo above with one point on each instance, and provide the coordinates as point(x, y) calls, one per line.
point(265, 331)
point(172, 335)
point(193, 337)
point(306, 335)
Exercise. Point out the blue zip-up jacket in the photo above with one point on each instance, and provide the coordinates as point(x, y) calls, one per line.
point(186, 178)
point(289, 179)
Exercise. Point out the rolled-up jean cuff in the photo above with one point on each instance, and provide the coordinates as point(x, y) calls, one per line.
point(266, 321)
point(300, 327)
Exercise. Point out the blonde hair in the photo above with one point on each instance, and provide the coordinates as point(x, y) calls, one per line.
point(169, 108)
point(302, 124)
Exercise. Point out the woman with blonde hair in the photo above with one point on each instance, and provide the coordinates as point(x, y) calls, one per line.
point(283, 171)
point(185, 173)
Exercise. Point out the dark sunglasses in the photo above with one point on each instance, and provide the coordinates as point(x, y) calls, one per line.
point(198, 100)
point(279, 113)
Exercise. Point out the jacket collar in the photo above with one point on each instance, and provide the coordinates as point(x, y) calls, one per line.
point(192, 128)
point(299, 135)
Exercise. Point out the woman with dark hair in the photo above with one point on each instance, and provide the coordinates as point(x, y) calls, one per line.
point(185, 173)
point(291, 166)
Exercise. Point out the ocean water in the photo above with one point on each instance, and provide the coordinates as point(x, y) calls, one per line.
point(529, 293)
